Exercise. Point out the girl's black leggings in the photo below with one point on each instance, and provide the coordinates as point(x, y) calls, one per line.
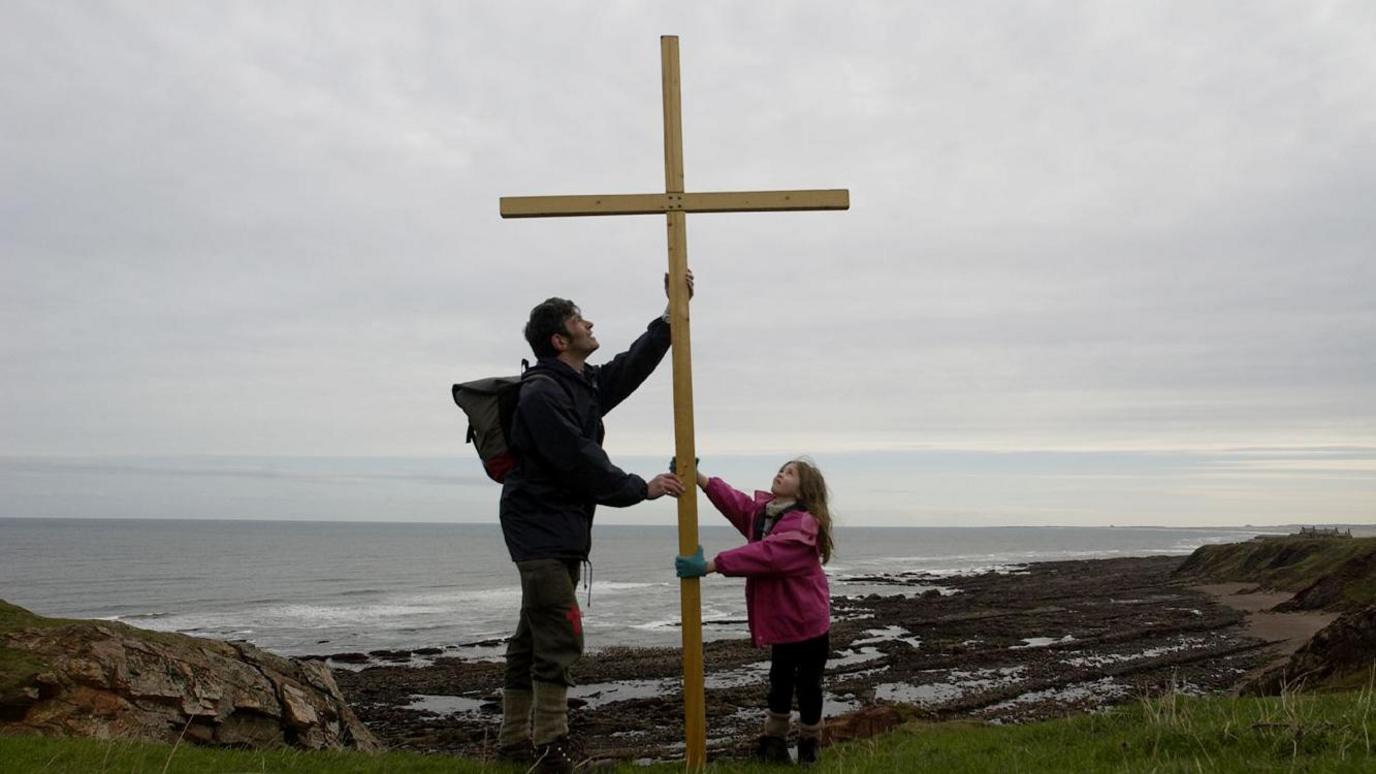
point(798, 666)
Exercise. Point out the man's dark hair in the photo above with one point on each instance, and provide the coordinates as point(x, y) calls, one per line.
point(547, 319)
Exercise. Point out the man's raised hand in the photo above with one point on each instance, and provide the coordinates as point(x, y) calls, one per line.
point(687, 280)
point(664, 483)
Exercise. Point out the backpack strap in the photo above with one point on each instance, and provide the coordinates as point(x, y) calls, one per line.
point(542, 377)
point(508, 421)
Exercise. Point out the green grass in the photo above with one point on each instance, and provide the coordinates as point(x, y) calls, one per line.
point(14, 617)
point(17, 666)
point(1312, 733)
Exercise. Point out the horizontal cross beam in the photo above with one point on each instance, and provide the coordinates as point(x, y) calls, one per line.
point(658, 203)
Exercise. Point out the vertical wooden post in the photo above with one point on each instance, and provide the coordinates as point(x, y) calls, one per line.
point(676, 203)
point(690, 597)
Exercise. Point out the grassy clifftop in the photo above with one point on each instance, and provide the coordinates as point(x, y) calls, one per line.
point(17, 666)
point(13, 617)
point(1326, 573)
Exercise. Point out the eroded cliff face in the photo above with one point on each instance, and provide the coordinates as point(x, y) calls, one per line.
point(1334, 574)
point(1341, 656)
point(105, 679)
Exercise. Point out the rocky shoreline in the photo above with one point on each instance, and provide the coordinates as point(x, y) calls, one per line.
point(1020, 644)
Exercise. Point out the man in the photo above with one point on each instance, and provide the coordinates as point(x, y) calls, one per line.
point(561, 476)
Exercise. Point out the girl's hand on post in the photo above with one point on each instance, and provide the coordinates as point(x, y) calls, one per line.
point(702, 479)
point(694, 566)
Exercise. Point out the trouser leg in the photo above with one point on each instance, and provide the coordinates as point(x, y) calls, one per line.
point(550, 606)
point(783, 672)
point(812, 662)
point(783, 669)
point(550, 610)
point(520, 652)
point(516, 687)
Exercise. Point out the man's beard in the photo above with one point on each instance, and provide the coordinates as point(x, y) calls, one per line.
point(589, 346)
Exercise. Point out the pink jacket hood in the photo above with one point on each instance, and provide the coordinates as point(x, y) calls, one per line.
point(787, 598)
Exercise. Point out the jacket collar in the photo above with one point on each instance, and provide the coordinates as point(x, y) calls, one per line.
point(558, 368)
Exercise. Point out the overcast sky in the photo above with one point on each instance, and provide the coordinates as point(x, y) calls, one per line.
point(1104, 263)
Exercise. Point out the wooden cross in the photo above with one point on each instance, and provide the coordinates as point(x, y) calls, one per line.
point(675, 203)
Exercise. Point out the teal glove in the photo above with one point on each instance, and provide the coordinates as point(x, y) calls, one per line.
point(694, 566)
point(673, 468)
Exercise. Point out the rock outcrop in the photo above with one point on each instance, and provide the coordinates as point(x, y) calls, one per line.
point(107, 679)
point(862, 724)
point(1339, 656)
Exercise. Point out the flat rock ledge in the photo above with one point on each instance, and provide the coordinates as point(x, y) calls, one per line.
point(110, 680)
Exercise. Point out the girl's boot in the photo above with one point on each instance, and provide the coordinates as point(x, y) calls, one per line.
point(773, 744)
point(809, 743)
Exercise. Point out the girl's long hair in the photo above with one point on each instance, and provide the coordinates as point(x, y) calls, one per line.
point(813, 495)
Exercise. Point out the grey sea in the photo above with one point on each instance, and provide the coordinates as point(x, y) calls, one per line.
point(329, 587)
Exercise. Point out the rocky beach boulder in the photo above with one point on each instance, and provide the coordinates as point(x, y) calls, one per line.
point(110, 680)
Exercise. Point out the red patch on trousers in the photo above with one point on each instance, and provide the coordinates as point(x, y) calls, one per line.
point(575, 617)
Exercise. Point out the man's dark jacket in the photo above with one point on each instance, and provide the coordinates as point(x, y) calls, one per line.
point(562, 474)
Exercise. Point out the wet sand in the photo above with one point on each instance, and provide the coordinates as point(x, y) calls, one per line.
point(1040, 641)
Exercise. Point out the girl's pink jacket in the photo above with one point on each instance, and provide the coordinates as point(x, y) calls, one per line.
point(787, 598)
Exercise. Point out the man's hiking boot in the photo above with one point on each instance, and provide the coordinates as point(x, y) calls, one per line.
point(554, 758)
point(772, 749)
point(520, 752)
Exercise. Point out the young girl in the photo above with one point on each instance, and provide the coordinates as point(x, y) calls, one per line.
point(787, 599)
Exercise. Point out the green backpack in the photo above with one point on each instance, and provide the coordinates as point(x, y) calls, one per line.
point(490, 405)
